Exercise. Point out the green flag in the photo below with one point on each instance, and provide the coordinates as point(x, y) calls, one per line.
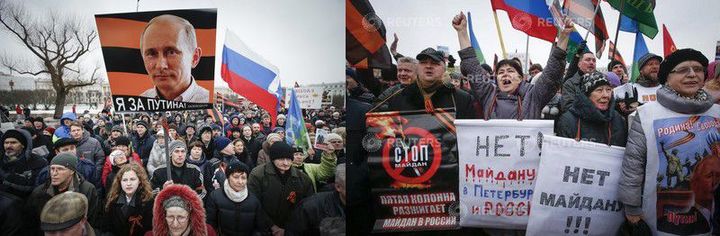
point(641, 11)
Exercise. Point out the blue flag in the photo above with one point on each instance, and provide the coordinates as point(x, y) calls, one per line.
point(640, 50)
point(295, 131)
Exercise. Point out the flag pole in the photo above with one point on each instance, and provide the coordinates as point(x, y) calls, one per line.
point(527, 56)
point(497, 26)
point(592, 21)
point(617, 30)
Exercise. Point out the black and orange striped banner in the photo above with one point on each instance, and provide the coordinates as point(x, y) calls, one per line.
point(119, 36)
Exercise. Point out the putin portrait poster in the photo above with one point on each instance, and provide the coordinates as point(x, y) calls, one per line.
point(159, 60)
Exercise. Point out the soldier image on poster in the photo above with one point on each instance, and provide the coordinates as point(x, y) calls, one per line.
point(688, 173)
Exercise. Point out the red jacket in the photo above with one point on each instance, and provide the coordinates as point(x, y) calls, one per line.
point(197, 215)
point(107, 168)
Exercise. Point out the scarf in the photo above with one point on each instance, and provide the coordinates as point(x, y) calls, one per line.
point(236, 197)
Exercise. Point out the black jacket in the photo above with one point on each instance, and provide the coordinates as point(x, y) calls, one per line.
point(143, 145)
point(11, 220)
point(19, 177)
point(233, 218)
point(43, 193)
point(305, 220)
point(411, 98)
point(188, 174)
point(595, 126)
point(279, 197)
point(136, 216)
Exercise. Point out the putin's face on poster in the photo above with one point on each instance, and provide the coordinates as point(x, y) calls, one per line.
point(169, 51)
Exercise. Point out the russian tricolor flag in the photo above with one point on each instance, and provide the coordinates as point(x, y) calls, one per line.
point(249, 75)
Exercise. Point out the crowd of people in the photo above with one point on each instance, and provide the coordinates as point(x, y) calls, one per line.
point(585, 104)
point(109, 174)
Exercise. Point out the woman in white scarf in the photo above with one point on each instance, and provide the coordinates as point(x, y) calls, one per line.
point(233, 203)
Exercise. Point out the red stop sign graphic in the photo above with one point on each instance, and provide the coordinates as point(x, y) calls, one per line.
point(436, 157)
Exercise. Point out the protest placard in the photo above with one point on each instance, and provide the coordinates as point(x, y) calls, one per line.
point(576, 189)
point(413, 171)
point(498, 170)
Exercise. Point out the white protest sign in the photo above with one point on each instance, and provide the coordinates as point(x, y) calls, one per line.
point(576, 189)
point(309, 97)
point(498, 163)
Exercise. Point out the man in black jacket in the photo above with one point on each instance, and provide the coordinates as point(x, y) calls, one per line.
point(305, 220)
point(19, 168)
point(182, 172)
point(429, 92)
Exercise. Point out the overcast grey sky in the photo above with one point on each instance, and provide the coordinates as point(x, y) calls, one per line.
point(304, 39)
point(426, 23)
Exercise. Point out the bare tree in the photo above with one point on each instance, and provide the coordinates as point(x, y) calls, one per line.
point(56, 43)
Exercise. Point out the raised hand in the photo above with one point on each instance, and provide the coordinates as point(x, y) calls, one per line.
point(393, 45)
point(459, 22)
point(564, 37)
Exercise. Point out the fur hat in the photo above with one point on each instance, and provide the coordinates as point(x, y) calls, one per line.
point(280, 150)
point(677, 57)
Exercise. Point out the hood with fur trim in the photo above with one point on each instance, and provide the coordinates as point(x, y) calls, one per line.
point(197, 216)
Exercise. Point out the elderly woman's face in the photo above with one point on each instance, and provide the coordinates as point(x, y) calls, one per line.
point(687, 78)
point(177, 220)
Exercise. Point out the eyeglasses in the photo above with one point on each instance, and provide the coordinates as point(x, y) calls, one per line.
point(179, 219)
point(686, 70)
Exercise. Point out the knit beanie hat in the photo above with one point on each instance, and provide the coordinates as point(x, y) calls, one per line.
point(677, 57)
point(16, 134)
point(613, 63)
point(67, 160)
point(177, 201)
point(115, 154)
point(593, 80)
point(280, 150)
point(613, 79)
point(221, 142)
point(235, 167)
point(645, 58)
point(117, 128)
point(176, 144)
point(122, 140)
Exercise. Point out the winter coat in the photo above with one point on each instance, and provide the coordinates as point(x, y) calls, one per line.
point(91, 149)
point(356, 130)
point(245, 158)
point(20, 177)
point(63, 131)
point(319, 173)
point(279, 197)
point(571, 87)
point(631, 191)
point(213, 170)
point(188, 174)
point(11, 212)
point(43, 193)
point(197, 224)
point(143, 145)
point(528, 100)
point(306, 218)
point(157, 157)
point(253, 146)
point(224, 214)
point(263, 156)
point(136, 217)
point(595, 125)
point(410, 99)
point(108, 167)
